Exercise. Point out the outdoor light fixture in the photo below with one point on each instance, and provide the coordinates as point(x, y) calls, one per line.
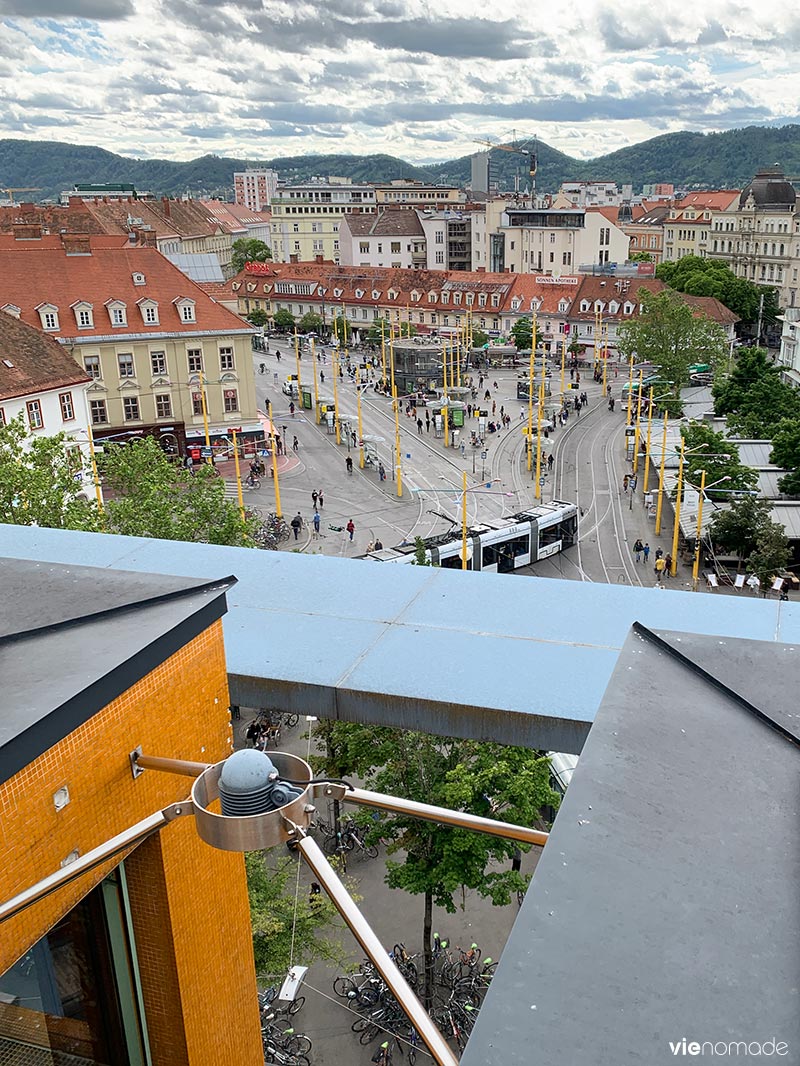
point(255, 800)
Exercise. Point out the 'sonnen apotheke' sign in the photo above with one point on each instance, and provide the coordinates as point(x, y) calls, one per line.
point(545, 279)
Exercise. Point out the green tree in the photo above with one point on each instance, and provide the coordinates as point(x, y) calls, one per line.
point(738, 529)
point(248, 250)
point(283, 321)
point(715, 454)
point(311, 322)
point(277, 920)
point(38, 482)
point(401, 329)
point(771, 553)
point(341, 328)
point(640, 257)
point(522, 332)
point(439, 862)
point(258, 317)
point(479, 338)
point(672, 336)
point(713, 277)
point(786, 454)
point(152, 496)
point(752, 396)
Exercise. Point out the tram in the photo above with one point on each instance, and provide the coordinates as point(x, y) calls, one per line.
point(519, 540)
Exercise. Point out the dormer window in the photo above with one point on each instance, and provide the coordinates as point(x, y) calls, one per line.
point(84, 315)
point(415, 295)
point(149, 310)
point(482, 299)
point(599, 305)
point(185, 308)
point(337, 293)
point(359, 293)
point(431, 297)
point(392, 294)
point(445, 298)
point(469, 298)
point(562, 306)
point(536, 303)
point(138, 279)
point(628, 308)
point(585, 305)
point(48, 315)
point(516, 303)
point(456, 297)
point(375, 294)
point(495, 299)
point(12, 309)
point(117, 312)
point(613, 307)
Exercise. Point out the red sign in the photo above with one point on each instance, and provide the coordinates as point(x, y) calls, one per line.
point(646, 270)
point(258, 268)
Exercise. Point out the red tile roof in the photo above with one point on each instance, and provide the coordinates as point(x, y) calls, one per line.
point(34, 272)
point(166, 218)
point(73, 219)
point(385, 223)
point(235, 216)
point(626, 290)
point(31, 362)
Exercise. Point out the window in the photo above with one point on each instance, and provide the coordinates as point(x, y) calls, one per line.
point(380, 248)
point(439, 257)
point(150, 314)
point(440, 236)
point(130, 408)
point(83, 316)
point(195, 357)
point(49, 318)
point(125, 361)
point(552, 238)
point(164, 406)
point(456, 297)
point(226, 359)
point(35, 419)
point(91, 364)
point(187, 312)
point(158, 363)
point(363, 247)
point(138, 279)
point(231, 399)
point(2, 417)
point(395, 247)
point(98, 412)
point(67, 407)
point(197, 403)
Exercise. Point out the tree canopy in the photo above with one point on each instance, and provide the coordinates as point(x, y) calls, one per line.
point(249, 250)
point(713, 277)
point(283, 320)
point(672, 336)
point(522, 332)
point(786, 453)
point(311, 322)
point(753, 398)
point(746, 529)
point(258, 317)
point(714, 453)
point(40, 481)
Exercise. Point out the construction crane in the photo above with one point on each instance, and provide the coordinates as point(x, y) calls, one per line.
point(526, 148)
point(20, 188)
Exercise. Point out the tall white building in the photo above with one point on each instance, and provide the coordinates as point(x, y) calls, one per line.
point(306, 218)
point(255, 188)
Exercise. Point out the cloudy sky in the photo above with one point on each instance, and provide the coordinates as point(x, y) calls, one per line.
point(418, 79)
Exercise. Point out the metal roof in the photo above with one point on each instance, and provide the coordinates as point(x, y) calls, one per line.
point(664, 904)
point(520, 660)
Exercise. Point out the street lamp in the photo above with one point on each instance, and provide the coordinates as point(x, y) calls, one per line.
point(702, 490)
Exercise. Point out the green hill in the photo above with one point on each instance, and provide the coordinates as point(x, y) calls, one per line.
point(688, 160)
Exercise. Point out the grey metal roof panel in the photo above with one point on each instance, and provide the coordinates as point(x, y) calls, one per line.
point(664, 904)
point(308, 631)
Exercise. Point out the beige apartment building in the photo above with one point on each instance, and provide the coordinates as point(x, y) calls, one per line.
point(689, 221)
point(306, 218)
point(153, 343)
point(401, 193)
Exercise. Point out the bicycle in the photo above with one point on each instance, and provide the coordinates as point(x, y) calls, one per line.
point(353, 840)
point(252, 482)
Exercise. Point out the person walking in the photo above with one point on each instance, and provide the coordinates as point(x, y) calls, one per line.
point(322, 377)
point(625, 482)
point(646, 551)
point(659, 553)
point(419, 426)
point(349, 465)
point(427, 422)
point(638, 547)
point(277, 355)
point(316, 521)
point(320, 499)
point(297, 525)
point(659, 568)
point(668, 565)
point(295, 445)
point(291, 408)
point(381, 471)
point(350, 527)
point(550, 461)
point(314, 496)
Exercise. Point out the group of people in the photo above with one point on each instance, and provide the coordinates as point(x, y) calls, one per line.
point(663, 563)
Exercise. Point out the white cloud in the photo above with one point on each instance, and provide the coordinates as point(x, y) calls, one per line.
point(267, 78)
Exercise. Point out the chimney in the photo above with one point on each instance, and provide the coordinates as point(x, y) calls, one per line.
point(27, 208)
point(27, 231)
point(145, 238)
point(75, 201)
point(165, 204)
point(76, 243)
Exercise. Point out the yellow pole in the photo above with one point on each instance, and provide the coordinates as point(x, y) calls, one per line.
point(445, 420)
point(598, 336)
point(391, 356)
point(563, 362)
point(605, 359)
point(647, 448)
point(209, 458)
point(360, 429)
point(336, 394)
point(316, 388)
point(676, 531)
point(638, 424)
point(538, 492)
point(238, 474)
point(383, 354)
point(95, 476)
point(274, 450)
point(661, 476)
point(531, 371)
point(696, 567)
point(396, 407)
point(630, 393)
point(297, 362)
point(464, 523)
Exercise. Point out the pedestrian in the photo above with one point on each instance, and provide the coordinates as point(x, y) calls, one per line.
point(314, 496)
point(349, 465)
point(354, 438)
point(494, 407)
point(419, 426)
point(291, 408)
point(322, 377)
point(659, 569)
point(495, 386)
point(277, 355)
point(659, 553)
point(350, 527)
point(378, 544)
point(295, 445)
point(646, 551)
point(316, 524)
point(370, 547)
point(668, 565)
point(297, 525)
point(381, 472)
point(625, 481)
point(550, 461)
point(427, 422)
point(638, 547)
point(320, 499)
point(487, 395)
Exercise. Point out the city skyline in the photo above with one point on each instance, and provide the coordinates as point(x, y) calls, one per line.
point(265, 79)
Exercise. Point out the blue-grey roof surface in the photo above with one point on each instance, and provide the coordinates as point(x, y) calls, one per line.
point(521, 660)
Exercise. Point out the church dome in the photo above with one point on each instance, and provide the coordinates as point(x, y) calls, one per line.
point(770, 190)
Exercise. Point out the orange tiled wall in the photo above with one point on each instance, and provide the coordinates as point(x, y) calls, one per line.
point(189, 901)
